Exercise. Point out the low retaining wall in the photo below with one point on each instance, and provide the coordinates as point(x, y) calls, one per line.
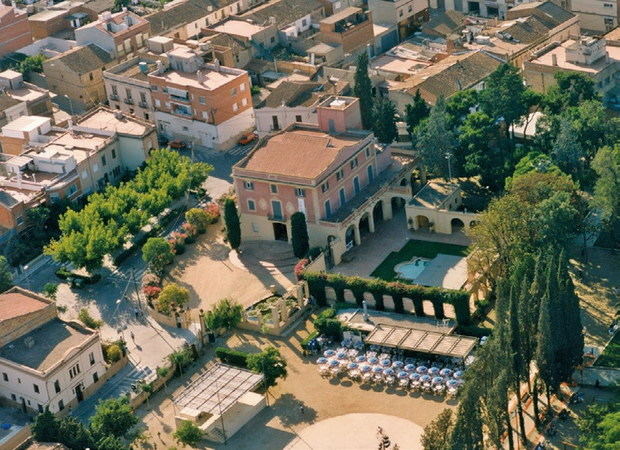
point(606, 376)
point(182, 320)
point(158, 383)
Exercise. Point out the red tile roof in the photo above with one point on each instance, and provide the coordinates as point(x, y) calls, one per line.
point(17, 302)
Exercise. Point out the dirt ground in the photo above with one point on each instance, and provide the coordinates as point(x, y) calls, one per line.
point(279, 424)
point(597, 281)
point(207, 270)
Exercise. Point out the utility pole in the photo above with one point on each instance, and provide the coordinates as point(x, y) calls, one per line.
point(448, 156)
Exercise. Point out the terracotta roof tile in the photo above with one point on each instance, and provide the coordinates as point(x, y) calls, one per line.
point(15, 303)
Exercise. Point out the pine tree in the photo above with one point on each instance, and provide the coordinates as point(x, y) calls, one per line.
point(385, 121)
point(363, 91)
point(233, 227)
point(299, 235)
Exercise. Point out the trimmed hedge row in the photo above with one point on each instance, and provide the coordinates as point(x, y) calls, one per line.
point(317, 282)
point(232, 357)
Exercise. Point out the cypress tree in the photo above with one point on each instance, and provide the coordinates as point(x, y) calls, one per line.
point(570, 348)
point(299, 235)
point(233, 226)
point(516, 359)
point(385, 121)
point(547, 334)
point(467, 431)
point(415, 112)
point(363, 91)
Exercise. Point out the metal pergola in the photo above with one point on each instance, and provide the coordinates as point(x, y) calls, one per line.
point(422, 341)
point(219, 388)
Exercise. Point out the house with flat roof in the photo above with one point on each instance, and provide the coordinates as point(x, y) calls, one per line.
point(45, 362)
point(592, 57)
point(293, 102)
point(293, 18)
point(351, 28)
point(333, 172)
point(405, 15)
point(119, 34)
point(37, 100)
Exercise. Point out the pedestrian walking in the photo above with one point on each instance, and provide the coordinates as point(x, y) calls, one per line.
point(133, 338)
point(136, 312)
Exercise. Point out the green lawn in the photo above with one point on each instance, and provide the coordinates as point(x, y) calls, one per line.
point(611, 354)
point(423, 249)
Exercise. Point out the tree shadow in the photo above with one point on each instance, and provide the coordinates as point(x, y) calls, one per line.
point(292, 411)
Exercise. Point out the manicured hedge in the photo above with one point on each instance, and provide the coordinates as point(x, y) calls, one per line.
point(304, 343)
point(233, 357)
point(317, 282)
point(63, 274)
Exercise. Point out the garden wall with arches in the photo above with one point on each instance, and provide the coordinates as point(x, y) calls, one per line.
point(390, 296)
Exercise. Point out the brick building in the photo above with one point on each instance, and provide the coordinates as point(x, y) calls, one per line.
point(207, 104)
point(14, 30)
point(351, 28)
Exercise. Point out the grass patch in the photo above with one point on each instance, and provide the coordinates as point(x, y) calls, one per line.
point(611, 354)
point(413, 247)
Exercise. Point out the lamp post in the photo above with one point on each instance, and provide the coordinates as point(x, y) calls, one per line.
point(448, 156)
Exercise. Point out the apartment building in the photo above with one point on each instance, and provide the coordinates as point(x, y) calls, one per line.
point(14, 30)
point(128, 88)
point(479, 8)
point(596, 16)
point(350, 28)
point(406, 15)
point(45, 362)
point(11, 109)
point(121, 34)
point(332, 172)
point(78, 74)
point(206, 104)
point(589, 56)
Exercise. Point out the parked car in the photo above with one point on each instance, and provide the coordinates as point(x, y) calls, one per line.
point(177, 145)
point(247, 138)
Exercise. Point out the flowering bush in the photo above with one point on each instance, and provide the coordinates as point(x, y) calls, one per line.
point(177, 241)
point(213, 212)
point(151, 292)
point(150, 279)
point(189, 229)
point(300, 267)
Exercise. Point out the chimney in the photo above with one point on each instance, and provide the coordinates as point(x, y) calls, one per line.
point(554, 59)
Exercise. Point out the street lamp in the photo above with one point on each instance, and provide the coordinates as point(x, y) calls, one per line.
point(448, 156)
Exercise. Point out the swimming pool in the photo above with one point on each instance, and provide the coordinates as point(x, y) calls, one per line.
point(412, 269)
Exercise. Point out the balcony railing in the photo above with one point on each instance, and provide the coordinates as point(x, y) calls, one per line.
point(129, 101)
point(114, 97)
point(143, 104)
point(276, 218)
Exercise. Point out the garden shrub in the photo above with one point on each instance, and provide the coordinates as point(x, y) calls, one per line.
point(300, 267)
point(113, 353)
point(314, 252)
point(233, 357)
point(89, 320)
point(304, 342)
point(171, 297)
point(474, 331)
point(213, 212)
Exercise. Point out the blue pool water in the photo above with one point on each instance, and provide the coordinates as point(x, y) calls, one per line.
point(412, 269)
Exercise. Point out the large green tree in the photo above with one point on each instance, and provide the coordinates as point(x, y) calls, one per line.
point(606, 164)
point(226, 314)
point(480, 153)
point(270, 363)
point(415, 112)
point(6, 276)
point(157, 252)
point(467, 431)
point(188, 434)
point(436, 141)
point(363, 91)
point(504, 96)
point(571, 89)
point(299, 235)
point(233, 226)
point(566, 151)
point(45, 427)
point(384, 124)
point(113, 416)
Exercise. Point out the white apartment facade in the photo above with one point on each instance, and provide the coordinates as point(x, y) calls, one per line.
point(598, 16)
point(44, 361)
